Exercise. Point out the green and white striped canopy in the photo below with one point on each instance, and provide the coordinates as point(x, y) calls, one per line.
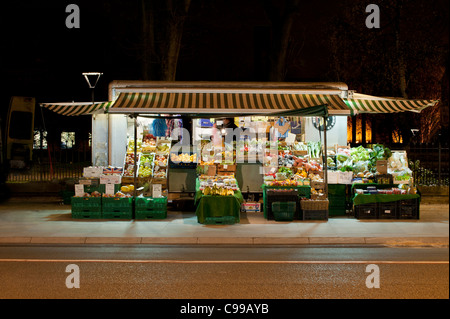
point(361, 103)
point(224, 102)
point(75, 109)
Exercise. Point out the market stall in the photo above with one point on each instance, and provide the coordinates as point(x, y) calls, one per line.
point(289, 149)
point(208, 105)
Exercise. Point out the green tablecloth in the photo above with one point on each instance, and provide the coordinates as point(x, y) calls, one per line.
point(360, 199)
point(217, 206)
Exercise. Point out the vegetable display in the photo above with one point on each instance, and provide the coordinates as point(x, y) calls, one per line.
point(314, 149)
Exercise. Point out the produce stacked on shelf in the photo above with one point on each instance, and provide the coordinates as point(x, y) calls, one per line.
point(183, 158)
point(146, 165)
point(148, 143)
point(129, 164)
point(293, 171)
point(398, 168)
point(218, 185)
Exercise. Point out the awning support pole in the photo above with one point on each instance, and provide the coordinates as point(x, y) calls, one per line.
point(324, 155)
point(135, 156)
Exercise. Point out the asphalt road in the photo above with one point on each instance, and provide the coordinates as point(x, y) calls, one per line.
point(222, 272)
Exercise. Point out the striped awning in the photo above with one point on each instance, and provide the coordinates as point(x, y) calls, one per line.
point(223, 103)
point(74, 109)
point(361, 103)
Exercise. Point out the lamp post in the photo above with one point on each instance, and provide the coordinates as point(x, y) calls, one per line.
point(95, 75)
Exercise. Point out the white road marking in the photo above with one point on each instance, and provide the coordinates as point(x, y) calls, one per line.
point(168, 261)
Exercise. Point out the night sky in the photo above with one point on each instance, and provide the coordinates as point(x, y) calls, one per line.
point(222, 41)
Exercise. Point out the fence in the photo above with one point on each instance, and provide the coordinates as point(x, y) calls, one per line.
point(42, 172)
point(429, 163)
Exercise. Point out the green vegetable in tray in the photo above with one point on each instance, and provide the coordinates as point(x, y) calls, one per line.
point(314, 149)
point(378, 153)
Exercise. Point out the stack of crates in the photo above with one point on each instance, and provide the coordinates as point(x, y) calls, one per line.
point(117, 207)
point(337, 194)
point(86, 207)
point(151, 208)
point(408, 208)
point(281, 196)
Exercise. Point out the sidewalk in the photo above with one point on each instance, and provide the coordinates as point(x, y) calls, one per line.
point(47, 221)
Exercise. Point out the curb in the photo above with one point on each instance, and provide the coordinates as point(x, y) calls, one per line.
point(388, 241)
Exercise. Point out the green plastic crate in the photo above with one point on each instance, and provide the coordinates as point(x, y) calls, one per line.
point(155, 214)
point(221, 220)
point(304, 192)
point(337, 211)
point(337, 202)
point(117, 214)
point(284, 211)
point(117, 207)
point(80, 204)
point(150, 203)
point(95, 214)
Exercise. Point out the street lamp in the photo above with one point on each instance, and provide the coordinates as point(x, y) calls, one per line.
point(93, 75)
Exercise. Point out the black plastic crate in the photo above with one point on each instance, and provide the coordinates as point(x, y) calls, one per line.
point(315, 214)
point(366, 211)
point(408, 208)
point(388, 210)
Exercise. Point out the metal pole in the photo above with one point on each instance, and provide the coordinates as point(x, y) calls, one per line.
point(439, 159)
point(135, 154)
point(324, 156)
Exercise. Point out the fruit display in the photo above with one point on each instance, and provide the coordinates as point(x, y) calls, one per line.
point(127, 188)
point(160, 172)
point(148, 143)
point(183, 158)
point(218, 185)
point(146, 165)
point(218, 191)
point(163, 148)
point(130, 147)
point(93, 194)
point(129, 164)
point(118, 194)
point(160, 160)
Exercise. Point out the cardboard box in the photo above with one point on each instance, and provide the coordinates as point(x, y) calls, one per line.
point(92, 171)
point(345, 177)
point(112, 170)
point(226, 168)
point(110, 179)
point(382, 167)
point(251, 207)
point(333, 177)
point(89, 181)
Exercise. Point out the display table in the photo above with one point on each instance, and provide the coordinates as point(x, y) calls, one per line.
point(302, 191)
point(214, 209)
point(382, 206)
point(362, 199)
